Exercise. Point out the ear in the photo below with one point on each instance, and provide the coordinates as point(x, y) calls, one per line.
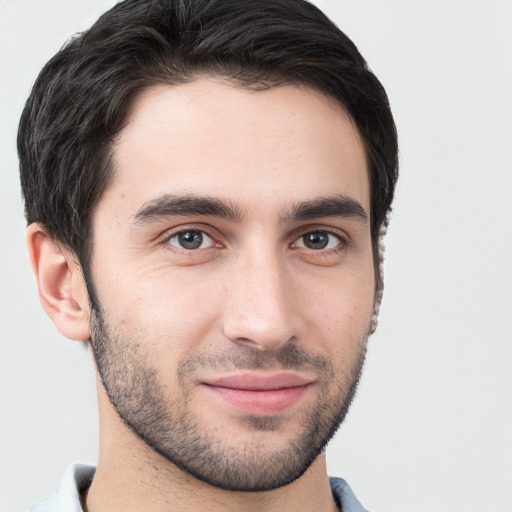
point(60, 282)
point(379, 290)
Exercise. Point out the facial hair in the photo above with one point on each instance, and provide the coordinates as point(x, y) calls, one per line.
point(136, 390)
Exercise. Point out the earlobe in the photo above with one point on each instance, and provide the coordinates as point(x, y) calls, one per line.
point(61, 287)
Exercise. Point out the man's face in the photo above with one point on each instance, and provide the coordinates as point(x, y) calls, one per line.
point(233, 266)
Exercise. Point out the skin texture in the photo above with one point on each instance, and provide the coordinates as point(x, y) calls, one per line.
point(255, 293)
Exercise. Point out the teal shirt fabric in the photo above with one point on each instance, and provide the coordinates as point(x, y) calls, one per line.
point(78, 478)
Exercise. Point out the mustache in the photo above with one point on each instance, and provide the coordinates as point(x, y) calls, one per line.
point(290, 356)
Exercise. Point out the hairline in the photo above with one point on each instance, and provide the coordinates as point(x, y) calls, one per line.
point(110, 167)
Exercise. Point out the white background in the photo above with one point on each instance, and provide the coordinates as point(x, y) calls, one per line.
point(431, 429)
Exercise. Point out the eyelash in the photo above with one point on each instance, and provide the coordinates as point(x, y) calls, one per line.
point(166, 240)
point(342, 241)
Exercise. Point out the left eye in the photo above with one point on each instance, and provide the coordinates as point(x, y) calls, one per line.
point(191, 239)
point(318, 240)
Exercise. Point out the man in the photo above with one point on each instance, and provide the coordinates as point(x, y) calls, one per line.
point(206, 185)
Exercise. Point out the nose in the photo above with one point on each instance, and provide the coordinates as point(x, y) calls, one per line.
point(261, 304)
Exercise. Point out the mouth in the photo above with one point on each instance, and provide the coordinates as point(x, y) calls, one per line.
point(260, 395)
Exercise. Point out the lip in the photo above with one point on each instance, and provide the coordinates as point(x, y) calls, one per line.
point(257, 394)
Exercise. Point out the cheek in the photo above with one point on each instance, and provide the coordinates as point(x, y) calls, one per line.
point(341, 310)
point(171, 309)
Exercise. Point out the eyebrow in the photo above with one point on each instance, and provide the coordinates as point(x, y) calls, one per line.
point(169, 205)
point(335, 206)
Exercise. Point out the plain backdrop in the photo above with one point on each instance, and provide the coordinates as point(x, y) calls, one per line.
point(431, 428)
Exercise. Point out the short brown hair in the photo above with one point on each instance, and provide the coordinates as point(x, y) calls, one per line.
point(82, 97)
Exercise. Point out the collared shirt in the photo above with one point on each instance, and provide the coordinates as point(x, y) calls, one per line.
point(78, 478)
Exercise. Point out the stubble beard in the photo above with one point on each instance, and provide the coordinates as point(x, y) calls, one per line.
point(170, 428)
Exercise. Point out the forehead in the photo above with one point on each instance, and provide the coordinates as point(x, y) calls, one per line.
point(211, 137)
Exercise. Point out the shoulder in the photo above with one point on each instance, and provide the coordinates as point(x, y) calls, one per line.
point(75, 482)
point(49, 504)
point(344, 496)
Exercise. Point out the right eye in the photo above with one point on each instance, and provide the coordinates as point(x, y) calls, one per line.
point(191, 239)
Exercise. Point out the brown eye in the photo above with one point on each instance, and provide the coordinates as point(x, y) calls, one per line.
point(191, 239)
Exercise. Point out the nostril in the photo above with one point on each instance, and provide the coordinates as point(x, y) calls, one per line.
point(246, 342)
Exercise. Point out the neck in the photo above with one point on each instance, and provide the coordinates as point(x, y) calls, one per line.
point(132, 476)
